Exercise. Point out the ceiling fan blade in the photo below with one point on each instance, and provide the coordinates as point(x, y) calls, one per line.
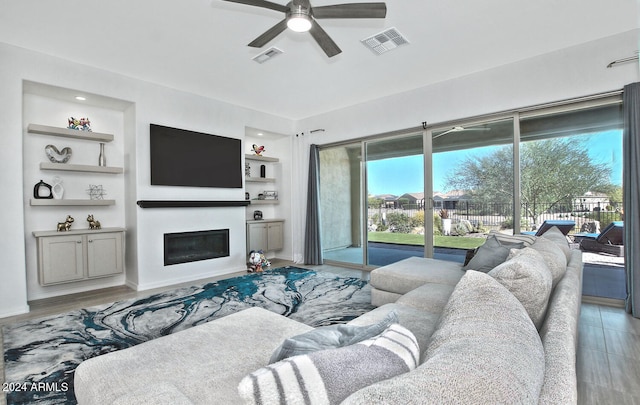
point(262, 3)
point(351, 10)
point(324, 40)
point(271, 33)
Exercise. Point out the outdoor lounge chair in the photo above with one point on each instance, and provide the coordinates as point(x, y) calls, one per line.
point(610, 240)
point(565, 226)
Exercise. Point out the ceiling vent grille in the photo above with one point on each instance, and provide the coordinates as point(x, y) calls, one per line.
point(385, 41)
point(267, 55)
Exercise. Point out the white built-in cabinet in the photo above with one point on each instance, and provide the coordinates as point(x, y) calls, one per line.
point(266, 235)
point(76, 255)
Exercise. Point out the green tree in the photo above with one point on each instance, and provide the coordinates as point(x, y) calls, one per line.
point(553, 172)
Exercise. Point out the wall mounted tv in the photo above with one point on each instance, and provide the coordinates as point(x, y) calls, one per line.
point(194, 159)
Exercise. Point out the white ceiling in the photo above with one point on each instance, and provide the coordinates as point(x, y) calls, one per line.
point(199, 46)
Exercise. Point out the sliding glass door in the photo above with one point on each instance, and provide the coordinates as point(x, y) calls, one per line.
point(472, 185)
point(395, 199)
point(341, 204)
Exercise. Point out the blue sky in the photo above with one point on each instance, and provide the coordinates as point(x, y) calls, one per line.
point(405, 175)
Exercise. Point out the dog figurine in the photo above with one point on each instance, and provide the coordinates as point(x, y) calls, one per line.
point(93, 224)
point(66, 225)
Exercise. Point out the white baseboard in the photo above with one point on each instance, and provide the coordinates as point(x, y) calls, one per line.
point(15, 311)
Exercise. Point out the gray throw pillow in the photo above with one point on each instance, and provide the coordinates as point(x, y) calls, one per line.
point(330, 337)
point(528, 278)
point(491, 254)
point(330, 376)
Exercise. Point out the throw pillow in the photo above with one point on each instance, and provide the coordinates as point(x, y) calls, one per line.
point(491, 254)
point(330, 337)
point(555, 235)
point(528, 278)
point(528, 240)
point(553, 256)
point(330, 376)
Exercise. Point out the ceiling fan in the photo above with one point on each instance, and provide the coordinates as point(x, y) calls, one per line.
point(300, 16)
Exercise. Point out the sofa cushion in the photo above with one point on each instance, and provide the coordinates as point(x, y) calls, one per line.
point(486, 350)
point(422, 324)
point(429, 297)
point(490, 254)
point(553, 256)
point(528, 278)
point(555, 235)
point(329, 376)
point(405, 275)
point(330, 337)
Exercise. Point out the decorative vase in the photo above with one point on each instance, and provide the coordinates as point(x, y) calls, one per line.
point(57, 190)
point(263, 171)
point(102, 160)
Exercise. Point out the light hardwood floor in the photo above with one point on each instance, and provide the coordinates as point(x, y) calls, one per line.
point(608, 358)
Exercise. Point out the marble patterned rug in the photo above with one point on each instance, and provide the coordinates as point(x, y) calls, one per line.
point(41, 355)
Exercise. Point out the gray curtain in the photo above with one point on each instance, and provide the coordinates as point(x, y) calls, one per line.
point(631, 189)
point(312, 239)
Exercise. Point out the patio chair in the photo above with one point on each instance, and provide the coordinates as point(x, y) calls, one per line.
point(610, 240)
point(565, 226)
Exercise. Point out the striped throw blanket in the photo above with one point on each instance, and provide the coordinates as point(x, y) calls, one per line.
point(330, 376)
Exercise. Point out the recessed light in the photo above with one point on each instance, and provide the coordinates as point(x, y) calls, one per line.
point(260, 134)
point(80, 98)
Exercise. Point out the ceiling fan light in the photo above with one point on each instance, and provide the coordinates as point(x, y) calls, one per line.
point(299, 22)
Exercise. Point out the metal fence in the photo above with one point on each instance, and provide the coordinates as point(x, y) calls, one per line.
point(500, 215)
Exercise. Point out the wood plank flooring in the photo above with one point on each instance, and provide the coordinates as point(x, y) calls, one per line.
point(608, 358)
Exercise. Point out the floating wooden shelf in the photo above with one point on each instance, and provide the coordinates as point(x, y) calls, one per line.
point(261, 158)
point(66, 202)
point(265, 202)
point(69, 133)
point(260, 179)
point(80, 168)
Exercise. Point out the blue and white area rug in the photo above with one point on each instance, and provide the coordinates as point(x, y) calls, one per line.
point(41, 355)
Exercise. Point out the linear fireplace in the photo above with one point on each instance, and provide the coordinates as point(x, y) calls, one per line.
point(187, 247)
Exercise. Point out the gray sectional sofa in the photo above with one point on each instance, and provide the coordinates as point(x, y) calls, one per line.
point(506, 334)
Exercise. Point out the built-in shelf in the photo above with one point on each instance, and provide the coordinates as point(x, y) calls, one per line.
point(80, 168)
point(67, 202)
point(191, 204)
point(69, 133)
point(265, 202)
point(84, 231)
point(261, 158)
point(260, 179)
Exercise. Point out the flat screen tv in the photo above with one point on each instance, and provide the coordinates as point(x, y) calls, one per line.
point(194, 159)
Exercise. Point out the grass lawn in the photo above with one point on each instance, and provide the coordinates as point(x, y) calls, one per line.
point(459, 242)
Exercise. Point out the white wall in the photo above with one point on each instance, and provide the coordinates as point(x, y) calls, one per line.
point(150, 103)
point(569, 73)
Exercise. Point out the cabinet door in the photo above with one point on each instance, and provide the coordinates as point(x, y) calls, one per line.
point(61, 259)
point(256, 237)
point(104, 254)
point(275, 236)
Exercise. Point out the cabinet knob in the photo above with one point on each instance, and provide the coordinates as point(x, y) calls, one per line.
point(79, 242)
point(90, 240)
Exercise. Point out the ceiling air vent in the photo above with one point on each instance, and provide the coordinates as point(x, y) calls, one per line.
point(268, 54)
point(385, 41)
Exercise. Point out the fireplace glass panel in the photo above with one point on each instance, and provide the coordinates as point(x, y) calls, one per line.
point(187, 247)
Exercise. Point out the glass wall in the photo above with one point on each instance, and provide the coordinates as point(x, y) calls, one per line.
point(341, 203)
point(438, 192)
